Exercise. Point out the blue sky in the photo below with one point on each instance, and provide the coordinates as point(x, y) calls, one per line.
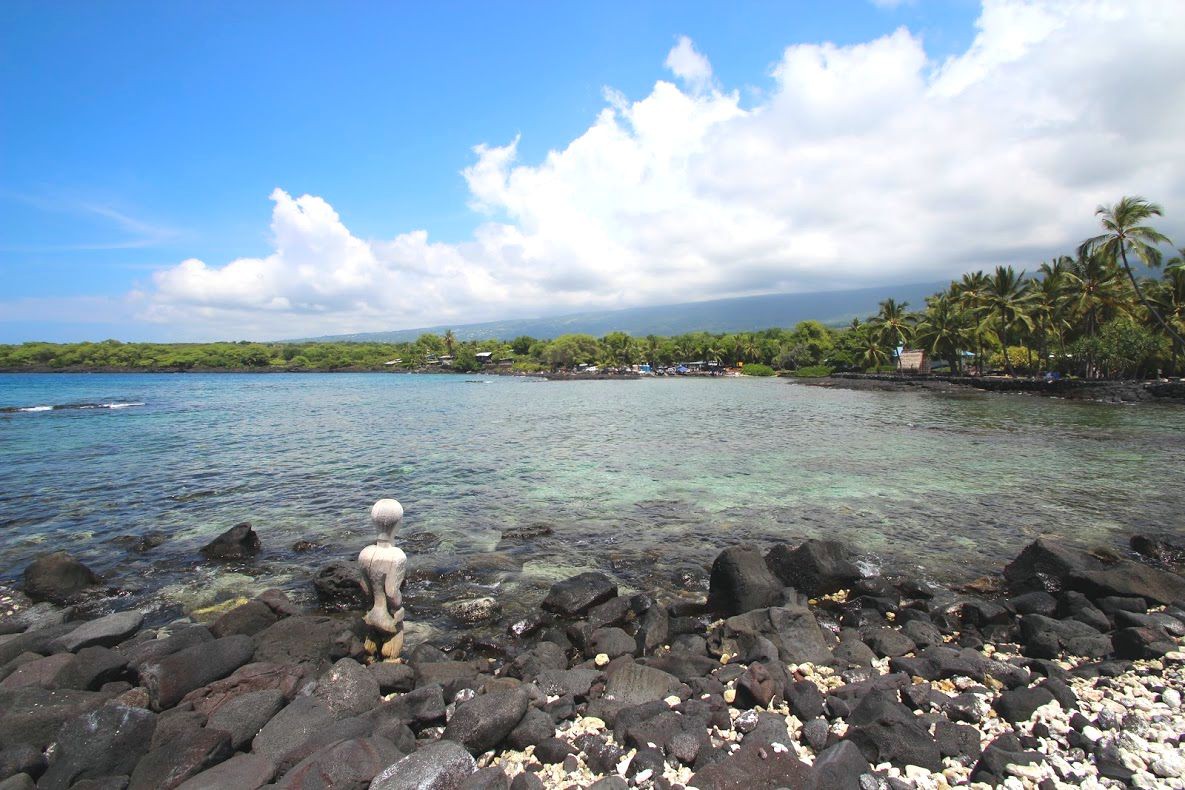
point(135, 136)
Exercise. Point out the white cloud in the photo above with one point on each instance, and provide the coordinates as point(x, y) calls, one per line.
point(689, 65)
point(861, 165)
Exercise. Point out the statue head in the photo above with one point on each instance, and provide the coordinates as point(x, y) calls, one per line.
point(386, 515)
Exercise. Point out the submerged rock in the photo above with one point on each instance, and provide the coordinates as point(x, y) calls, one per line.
point(237, 543)
point(474, 610)
point(57, 577)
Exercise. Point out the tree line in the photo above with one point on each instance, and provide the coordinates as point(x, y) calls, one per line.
point(1087, 314)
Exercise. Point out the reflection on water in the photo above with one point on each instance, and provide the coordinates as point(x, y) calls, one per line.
point(645, 478)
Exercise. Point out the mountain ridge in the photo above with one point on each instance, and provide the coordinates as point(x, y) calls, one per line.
point(735, 314)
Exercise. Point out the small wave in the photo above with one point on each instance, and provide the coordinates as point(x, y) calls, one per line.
point(70, 406)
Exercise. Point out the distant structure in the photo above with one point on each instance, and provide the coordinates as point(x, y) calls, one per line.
point(383, 569)
point(913, 361)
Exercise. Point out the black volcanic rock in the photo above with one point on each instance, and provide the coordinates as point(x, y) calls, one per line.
point(237, 543)
point(815, 567)
point(741, 581)
point(57, 577)
point(575, 596)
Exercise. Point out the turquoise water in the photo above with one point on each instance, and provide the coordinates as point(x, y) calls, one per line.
point(646, 479)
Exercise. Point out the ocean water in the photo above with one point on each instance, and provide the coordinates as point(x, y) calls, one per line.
point(647, 479)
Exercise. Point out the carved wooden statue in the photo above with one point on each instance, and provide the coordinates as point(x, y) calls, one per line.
point(383, 568)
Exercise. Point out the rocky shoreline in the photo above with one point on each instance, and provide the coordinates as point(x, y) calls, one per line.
point(796, 670)
point(1157, 391)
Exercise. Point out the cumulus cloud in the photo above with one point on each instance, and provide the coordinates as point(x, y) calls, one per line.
point(861, 165)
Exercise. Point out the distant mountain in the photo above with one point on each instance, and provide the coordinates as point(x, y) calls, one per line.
point(741, 314)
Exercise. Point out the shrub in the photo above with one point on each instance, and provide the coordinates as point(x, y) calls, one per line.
point(812, 372)
point(755, 369)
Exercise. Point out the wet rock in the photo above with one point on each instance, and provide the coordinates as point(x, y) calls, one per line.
point(741, 581)
point(306, 639)
point(353, 762)
point(241, 772)
point(105, 742)
point(442, 765)
point(172, 677)
point(474, 610)
point(178, 759)
point(575, 596)
point(635, 684)
point(243, 717)
point(250, 618)
point(237, 543)
point(34, 617)
point(1036, 602)
point(33, 716)
point(106, 632)
point(149, 541)
point(1159, 549)
point(814, 567)
point(348, 689)
point(486, 720)
point(1051, 566)
point(57, 577)
point(338, 585)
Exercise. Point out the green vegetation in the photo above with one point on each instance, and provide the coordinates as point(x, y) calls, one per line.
point(1087, 315)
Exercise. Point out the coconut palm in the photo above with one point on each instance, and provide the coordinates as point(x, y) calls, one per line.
point(1095, 292)
point(1050, 308)
point(893, 325)
point(1169, 297)
point(942, 331)
point(1124, 233)
point(1006, 300)
point(450, 340)
point(969, 293)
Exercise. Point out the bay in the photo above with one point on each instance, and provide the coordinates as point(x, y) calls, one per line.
point(646, 479)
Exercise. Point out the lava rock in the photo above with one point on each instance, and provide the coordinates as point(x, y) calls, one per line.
point(634, 684)
point(348, 689)
point(241, 772)
point(442, 765)
point(474, 610)
point(57, 577)
point(339, 587)
point(393, 677)
point(886, 731)
point(306, 639)
point(106, 632)
point(250, 618)
point(535, 726)
point(243, 717)
point(550, 751)
point(613, 642)
point(814, 567)
point(172, 677)
point(237, 543)
point(838, 767)
point(574, 596)
point(105, 742)
point(179, 758)
point(888, 643)
point(741, 581)
point(1136, 643)
point(90, 668)
point(486, 720)
point(353, 762)
point(33, 716)
point(1051, 566)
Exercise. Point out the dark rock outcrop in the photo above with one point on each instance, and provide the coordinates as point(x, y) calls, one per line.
point(741, 581)
point(815, 567)
point(237, 543)
point(486, 720)
point(1051, 566)
point(575, 596)
point(108, 741)
point(57, 577)
point(172, 677)
point(443, 765)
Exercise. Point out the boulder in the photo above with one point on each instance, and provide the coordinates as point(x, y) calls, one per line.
point(886, 731)
point(90, 668)
point(305, 639)
point(348, 689)
point(838, 767)
point(1160, 549)
point(40, 672)
point(613, 642)
point(33, 716)
point(250, 618)
point(1017, 705)
point(534, 727)
point(179, 758)
point(291, 727)
point(574, 596)
point(423, 707)
point(1051, 566)
point(108, 741)
point(241, 772)
point(815, 567)
point(57, 577)
point(741, 581)
point(339, 586)
point(442, 765)
point(484, 721)
point(246, 679)
point(634, 684)
point(243, 717)
point(792, 629)
point(172, 677)
point(237, 543)
point(139, 652)
point(393, 677)
point(563, 682)
point(489, 778)
point(348, 763)
point(105, 632)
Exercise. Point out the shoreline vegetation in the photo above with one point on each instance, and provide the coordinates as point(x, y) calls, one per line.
point(1087, 316)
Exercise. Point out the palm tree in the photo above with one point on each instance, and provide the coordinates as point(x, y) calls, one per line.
point(874, 350)
point(893, 326)
point(1095, 292)
point(943, 329)
point(1049, 306)
point(1006, 300)
point(450, 339)
point(969, 292)
point(1123, 233)
point(1169, 297)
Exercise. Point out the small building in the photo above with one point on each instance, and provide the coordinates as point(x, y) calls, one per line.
point(913, 361)
point(396, 361)
point(484, 358)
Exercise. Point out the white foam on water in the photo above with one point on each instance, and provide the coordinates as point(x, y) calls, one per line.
point(119, 405)
point(36, 408)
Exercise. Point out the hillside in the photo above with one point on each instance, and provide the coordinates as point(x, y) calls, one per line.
point(740, 314)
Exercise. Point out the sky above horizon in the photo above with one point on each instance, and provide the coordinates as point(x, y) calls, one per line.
point(213, 171)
